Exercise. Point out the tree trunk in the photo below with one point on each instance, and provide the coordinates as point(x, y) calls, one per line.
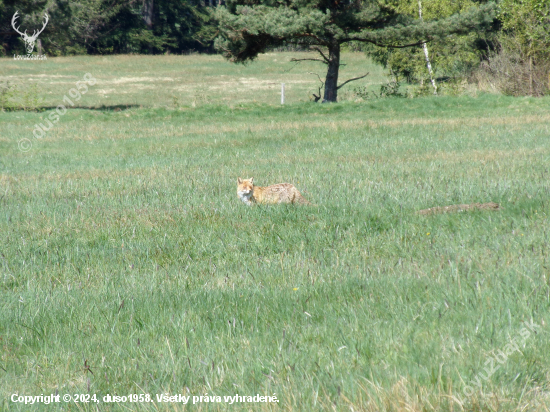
point(425, 48)
point(429, 65)
point(331, 82)
point(148, 13)
point(530, 75)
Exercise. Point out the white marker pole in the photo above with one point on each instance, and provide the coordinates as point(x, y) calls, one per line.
point(282, 93)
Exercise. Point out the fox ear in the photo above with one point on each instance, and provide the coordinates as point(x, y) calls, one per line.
point(252, 180)
point(239, 180)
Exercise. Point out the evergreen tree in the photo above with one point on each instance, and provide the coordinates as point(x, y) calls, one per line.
point(249, 27)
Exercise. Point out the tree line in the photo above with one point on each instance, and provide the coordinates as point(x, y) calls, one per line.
point(417, 40)
point(110, 26)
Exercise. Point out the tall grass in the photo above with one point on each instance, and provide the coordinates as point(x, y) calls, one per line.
point(128, 264)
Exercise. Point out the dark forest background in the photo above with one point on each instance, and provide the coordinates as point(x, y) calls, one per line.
point(110, 27)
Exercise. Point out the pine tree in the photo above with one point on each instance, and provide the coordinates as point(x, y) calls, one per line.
point(249, 27)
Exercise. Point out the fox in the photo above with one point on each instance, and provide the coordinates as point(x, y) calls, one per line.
point(274, 194)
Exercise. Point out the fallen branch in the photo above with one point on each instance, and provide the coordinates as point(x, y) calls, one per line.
point(303, 60)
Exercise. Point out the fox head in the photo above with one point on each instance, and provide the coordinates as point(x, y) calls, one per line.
point(245, 189)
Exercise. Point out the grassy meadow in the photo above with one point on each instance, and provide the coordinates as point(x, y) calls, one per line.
point(129, 266)
point(187, 81)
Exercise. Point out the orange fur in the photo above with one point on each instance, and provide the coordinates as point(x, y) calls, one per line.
point(279, 193)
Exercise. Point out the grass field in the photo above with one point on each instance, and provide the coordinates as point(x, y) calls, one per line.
point(128, 265)
point(176, 81)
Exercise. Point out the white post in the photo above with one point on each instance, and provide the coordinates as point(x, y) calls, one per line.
point(282, 93)
point(425, 47)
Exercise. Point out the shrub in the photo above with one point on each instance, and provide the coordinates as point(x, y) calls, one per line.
point(511, 71)
point(17, 97)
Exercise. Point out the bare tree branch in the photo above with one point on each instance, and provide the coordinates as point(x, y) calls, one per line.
point(317, 98)
point(420, 43)
point(318, 49)
point(286, 71)
point(313, 60)
point(319, 77)
point(350, 80)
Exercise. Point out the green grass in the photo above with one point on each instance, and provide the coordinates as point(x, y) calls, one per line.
point(185, 81)
point(124, 248)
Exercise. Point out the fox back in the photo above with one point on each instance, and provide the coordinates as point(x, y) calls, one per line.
point(279, 193)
